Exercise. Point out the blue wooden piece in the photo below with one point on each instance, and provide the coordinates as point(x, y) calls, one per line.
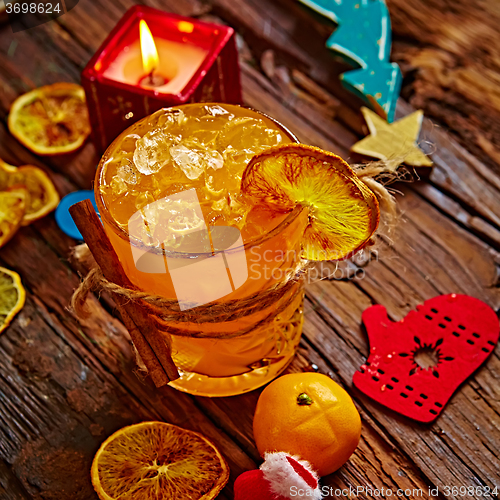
point(363, 39)
point(63, 217)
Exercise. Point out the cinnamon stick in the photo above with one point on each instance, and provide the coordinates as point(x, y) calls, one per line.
point(148, 341)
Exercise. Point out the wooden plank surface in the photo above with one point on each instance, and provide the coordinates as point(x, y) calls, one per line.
point(65, 385)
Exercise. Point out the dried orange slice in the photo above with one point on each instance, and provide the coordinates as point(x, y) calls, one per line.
point(155, 460)
point(42, 196)
point(343, 212)
point(50, 120)
point(12, 296)
point(12, 210)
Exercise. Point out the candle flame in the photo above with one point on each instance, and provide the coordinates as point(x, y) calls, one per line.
point(149, 53)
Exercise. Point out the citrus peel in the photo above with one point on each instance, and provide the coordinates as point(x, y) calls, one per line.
point(12, 296)
point(12, 210)
point(343, 211)
point(41, 196)
point(50, 120)
point(154, 460)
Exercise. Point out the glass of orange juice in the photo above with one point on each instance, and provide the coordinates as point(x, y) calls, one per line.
point(168, 191)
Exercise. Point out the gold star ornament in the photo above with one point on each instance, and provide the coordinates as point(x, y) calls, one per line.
point(393, 142)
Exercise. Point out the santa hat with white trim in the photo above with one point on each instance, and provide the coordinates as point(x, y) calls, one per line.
point(280, 477)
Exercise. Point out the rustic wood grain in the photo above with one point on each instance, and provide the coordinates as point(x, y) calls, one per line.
point(450, 56)
point(66, 385)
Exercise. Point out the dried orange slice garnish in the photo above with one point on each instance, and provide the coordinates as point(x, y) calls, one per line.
point(12, 296)
point(343, 212)
point(50, 120)
point(155, 460)
point(42, 196)
point(12, 210)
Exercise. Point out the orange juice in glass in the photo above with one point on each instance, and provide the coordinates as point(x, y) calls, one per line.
point(168, 191)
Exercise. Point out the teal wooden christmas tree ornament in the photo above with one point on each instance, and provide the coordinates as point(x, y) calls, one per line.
point(363, 39)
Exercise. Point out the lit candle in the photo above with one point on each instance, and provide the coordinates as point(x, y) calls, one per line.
point(187, 61)
point(156, 62)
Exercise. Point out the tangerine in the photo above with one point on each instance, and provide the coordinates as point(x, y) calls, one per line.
point(310, 416)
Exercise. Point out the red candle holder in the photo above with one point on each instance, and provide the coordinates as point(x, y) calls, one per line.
point(115, 105)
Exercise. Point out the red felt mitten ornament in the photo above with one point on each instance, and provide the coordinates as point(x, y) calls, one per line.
point(280, 477)
point(453, 333)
